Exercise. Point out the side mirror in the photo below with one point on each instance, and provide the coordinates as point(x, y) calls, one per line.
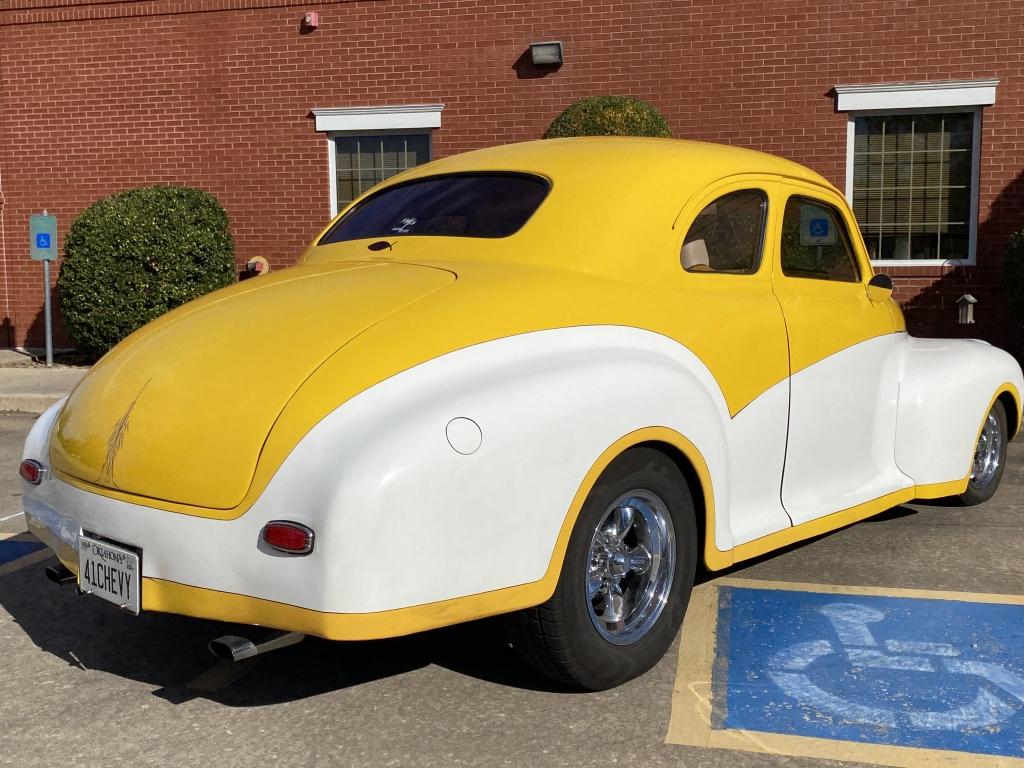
point(880, 288)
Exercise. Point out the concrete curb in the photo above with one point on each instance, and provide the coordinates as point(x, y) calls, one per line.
point(35, 404)
point(34, 389)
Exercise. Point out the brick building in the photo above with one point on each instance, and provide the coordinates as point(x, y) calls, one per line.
point(915, 108)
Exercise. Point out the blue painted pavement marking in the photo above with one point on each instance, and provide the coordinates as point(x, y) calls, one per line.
point(914, 672)
point(12, 549)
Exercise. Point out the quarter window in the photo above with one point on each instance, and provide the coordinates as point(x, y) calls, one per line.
point(455, 205)
point(815, 243)
point(727, 235)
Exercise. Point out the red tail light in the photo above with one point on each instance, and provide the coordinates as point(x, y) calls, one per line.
point(287, 537)
point(32, 471)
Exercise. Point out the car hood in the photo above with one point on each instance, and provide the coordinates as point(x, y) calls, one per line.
point(180, 410)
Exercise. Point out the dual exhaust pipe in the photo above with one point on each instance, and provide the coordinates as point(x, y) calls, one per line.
point(228, 647)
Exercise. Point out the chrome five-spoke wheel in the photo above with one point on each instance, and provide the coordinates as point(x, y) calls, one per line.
point(632, 561)
point(989, 457)
point(625, 580)
point(988, 453)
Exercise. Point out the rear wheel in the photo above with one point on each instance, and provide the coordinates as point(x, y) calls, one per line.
point(625, 582)
point(989, 458)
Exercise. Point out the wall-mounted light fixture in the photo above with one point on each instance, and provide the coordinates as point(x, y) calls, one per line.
point(311, 21)
point(547, 54)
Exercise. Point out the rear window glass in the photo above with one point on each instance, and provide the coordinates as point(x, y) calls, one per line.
point(459, 205)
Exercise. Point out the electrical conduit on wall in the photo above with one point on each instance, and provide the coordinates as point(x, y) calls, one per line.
point(3, 253)
point(3, 239)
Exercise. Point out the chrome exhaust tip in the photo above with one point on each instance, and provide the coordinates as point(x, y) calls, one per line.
point(234, 648)
point(60, 574)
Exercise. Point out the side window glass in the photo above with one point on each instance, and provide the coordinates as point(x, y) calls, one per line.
point(815, 243)
point(728, 235)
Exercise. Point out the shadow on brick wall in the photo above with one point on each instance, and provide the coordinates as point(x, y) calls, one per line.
point(934, 311)
point(35, 337)
point(525, 69)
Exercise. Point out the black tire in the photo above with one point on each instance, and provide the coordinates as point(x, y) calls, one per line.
point(559, 638)
point(979, 491)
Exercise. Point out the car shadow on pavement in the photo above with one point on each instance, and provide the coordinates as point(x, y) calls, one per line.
point(169, 652)
point(899, 512)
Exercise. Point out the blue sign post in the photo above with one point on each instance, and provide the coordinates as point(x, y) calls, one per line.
point(42, 236)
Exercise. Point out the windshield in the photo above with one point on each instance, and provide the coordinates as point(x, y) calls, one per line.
point(457, 205)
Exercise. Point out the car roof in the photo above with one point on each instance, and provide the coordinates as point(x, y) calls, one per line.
point(692, 163)
point(612, 208)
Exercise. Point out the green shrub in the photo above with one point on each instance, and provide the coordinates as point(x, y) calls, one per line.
point(131, 257)
point(1013, 270)
point(608, 116)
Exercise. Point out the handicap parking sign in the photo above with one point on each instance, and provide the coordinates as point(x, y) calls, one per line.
point(910, 672)
point(816, 225)
point(42, 237)
point(819, 227)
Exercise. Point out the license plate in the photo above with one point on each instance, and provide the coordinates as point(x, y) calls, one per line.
point(109, 571)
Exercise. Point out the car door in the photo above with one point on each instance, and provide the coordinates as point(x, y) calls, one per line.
point(843, 372)
point(727, 255)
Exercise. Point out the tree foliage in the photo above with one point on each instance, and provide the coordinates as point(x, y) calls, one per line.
point(131, 257)
point(608, 116)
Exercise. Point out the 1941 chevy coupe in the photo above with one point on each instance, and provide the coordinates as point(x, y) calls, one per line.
point(539, 380)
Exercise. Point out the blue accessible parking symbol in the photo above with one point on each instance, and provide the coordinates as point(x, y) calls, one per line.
point(911, 672)
point(16, 548)
point(818, 228)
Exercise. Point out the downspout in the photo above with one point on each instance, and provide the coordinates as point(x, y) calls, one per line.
point(3, 251)
point(3, 206)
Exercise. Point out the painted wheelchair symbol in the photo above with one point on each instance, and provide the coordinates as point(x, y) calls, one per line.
point(850, 621)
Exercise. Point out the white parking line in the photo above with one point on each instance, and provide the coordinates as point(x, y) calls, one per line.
point(10, 517)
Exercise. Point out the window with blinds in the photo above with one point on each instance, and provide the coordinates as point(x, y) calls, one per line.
point(912, 177)
point(362, 162)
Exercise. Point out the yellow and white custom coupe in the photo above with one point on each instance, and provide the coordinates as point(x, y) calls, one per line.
point(539, 380)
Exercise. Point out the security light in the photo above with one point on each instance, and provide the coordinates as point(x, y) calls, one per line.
point(548, 54)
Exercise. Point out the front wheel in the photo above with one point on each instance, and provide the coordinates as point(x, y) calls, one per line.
point(989, 458)
point(625, 582)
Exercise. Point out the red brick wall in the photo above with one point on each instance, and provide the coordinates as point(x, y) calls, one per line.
point(216, 93)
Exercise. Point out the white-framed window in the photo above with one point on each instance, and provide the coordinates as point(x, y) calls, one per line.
point(912, 168)
point(366, 145)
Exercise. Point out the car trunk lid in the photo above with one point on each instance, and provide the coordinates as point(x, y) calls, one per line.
point(180, 410)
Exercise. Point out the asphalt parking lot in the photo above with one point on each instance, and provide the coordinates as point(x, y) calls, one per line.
point(83, 684)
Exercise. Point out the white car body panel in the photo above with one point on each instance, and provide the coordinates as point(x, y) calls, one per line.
point(402, 519)
point(842, 428)
point(757, 453)
point(946, 386)
point(548, 404)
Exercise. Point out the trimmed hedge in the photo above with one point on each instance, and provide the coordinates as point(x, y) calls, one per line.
point(1013, 271)
point(608, 116)
point(131, 257)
